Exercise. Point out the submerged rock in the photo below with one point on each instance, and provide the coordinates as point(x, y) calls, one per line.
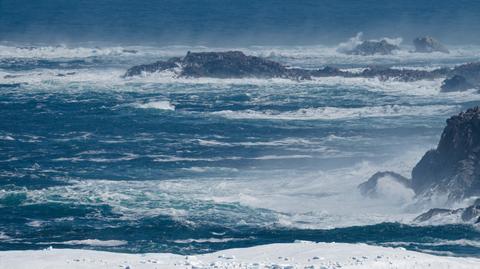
point(463, 77)
point(373, 186)
point(456, 83)
point(453, 168)
point(373, 47)
point(469, 214)
point(428, 44)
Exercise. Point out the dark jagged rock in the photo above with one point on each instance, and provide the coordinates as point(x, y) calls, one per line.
point(235, 64)
point(330, 71)
point(456, 83)
point(400, 74)
point(434, 212)
point(369, 188)
point(463, 77)
point(428, 44)
point(230, 64)
point(453, 168)
point(374, 47)
point(469, 214)
point(152, 68)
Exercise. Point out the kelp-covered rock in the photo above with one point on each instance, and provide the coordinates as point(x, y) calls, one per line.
point(428, 44)
point(453, 168)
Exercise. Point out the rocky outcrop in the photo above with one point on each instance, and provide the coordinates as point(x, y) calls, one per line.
point(453, 168)
point(235, 64)
point(469, 214)
point(462, 77)
point(152, 68)
point(370, 188)
point(428, 44)
point(373, 47)
point(229, 64)
point(455, 84)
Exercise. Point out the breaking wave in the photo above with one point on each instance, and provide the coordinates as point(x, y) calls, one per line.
point(338, 113)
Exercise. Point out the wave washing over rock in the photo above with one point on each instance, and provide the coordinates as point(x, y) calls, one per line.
point(221, 159)
point(449, 173)
point(235, 64)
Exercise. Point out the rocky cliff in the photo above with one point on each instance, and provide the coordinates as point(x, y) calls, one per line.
point(453, 168)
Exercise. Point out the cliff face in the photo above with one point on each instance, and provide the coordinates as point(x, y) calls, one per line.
point(453, 167)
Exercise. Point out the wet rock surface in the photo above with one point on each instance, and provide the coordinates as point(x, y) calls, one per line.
point(427, 44)
point(453, 168)
point(235, 64)
point(374, 47)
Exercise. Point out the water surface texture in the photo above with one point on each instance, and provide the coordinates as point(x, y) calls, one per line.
point(155, 163)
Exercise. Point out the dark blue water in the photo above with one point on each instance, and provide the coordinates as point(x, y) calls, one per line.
point(89, 159)
point(231, 22)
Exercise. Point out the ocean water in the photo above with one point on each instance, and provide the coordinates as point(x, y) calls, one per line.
point(156, 163)
point(161, 164)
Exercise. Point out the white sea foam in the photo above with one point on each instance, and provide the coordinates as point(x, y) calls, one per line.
point(208, 240)
point(7, 137)
point(316, 199)
point(61, 51)
point(92, 242)
point(3, 236)
point(161, 105)
point(312, 54)
point(351, 43)
point(388, 188)
point(436, 243)
point(336, 113)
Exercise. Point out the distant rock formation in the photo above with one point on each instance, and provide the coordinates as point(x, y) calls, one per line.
point(463, 77)
point(453, 168)
point(229, 64)
point(469, 214)
point(235, 64)
point(373, 47)
point(370, 188)
point(152, 68)
point(428, 44)
point(455, 84)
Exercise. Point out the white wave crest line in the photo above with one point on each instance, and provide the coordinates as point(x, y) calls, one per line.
point(91, 242)
point(336, 113)
point(160, 105)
